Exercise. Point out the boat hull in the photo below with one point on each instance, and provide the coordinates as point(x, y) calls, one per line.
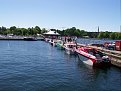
point(59, 46)
point(53, 44)
point(70, 52)
point(90, 62)
point(85, 60)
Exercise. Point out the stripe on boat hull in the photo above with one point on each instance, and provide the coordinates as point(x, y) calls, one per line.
point(85, 60)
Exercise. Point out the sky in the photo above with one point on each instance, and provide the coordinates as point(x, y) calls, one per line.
point(61, 14)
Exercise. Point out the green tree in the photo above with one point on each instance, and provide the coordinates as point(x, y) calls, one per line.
point(112, 35)
point(117, 35)
point(101, 35)
point(3, 30)
point(0, 30)
point(13, 30)
point(8, 31)
point(106, 34)
point(24, 31)
point(43, 30)
point(30, 31)
point(83, 33)
point(38, 30)
point(77, 33)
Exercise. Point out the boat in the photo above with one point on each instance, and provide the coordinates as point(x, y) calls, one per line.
point(30, 39)
point(60, 44)
point(92, 57)
point(53, 42)
point(70, 47)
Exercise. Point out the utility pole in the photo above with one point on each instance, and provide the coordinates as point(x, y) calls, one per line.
point(120, 28)
point(98, 29)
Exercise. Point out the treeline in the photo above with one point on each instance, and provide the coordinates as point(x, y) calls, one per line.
point(37, 30)
point(22, 31)
point(110, 35)
point(71, 32)
point(66, 32)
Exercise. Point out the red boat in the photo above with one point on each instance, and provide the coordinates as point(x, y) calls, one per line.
point(92, 57)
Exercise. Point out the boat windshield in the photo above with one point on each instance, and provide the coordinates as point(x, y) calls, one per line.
point(97, 54)
point(71, 46)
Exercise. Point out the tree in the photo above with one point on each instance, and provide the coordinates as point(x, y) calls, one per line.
point(30, 31)
point(43, 30)
point(0, 30)
point(8, 31)
point(83, 33)
point(24, 31)
point(101, 35)
point(3, 30)
point(13, 30)
point(117, 35)
point(112, 35)
point(77, 33)
point(106, 34)
point(38, 30)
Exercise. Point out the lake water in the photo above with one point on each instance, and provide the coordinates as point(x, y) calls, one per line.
point(95, 41)
point(38, 66)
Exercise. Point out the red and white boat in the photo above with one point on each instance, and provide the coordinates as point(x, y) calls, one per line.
point(92, 57)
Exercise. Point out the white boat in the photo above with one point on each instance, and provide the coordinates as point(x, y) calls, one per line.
point(53, 42)
point(70, 47)
point(47, 39)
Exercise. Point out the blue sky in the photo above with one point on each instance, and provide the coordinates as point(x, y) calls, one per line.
point(61, 14)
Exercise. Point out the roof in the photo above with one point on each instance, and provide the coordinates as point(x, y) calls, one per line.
point(51, 33)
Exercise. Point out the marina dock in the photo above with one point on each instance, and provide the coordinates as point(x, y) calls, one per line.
point(115, 56)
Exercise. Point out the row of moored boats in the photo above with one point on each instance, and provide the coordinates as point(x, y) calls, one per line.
point(89, 56)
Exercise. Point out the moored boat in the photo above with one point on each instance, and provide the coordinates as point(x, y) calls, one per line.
point(53, 42)
point(92, 57)
point(70, 47)
point(60, 44)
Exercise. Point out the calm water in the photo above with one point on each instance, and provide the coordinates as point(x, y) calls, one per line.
point(37, 66)
point(95, 41)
